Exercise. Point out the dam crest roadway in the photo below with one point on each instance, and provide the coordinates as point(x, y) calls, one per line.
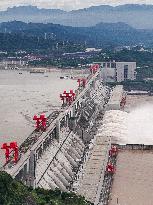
point(72, 154)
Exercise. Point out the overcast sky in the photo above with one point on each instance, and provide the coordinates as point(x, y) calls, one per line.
point(68, 4)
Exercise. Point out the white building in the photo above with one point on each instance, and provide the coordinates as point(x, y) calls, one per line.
point(118, 71)
point(93, 49)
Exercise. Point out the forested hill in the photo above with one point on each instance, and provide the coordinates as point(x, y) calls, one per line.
point(15, 193)
point(102, 33)
point(19, 35)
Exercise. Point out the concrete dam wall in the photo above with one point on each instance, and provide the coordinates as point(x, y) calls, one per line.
point(72, 154)
point(53, 159)
point(59, 165)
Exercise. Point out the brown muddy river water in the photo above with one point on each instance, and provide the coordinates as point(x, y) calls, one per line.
point(133, 180)
point(22, 96)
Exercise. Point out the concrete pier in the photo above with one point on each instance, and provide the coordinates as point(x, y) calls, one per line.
point(93, 175)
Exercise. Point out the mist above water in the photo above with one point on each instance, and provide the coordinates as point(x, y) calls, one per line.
point(135, 127)
point(140, 124)
point(114, 125)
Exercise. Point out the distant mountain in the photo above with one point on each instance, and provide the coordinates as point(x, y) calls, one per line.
point(137, 16)
point(29, 14)
point(32, 10)
point(100, 35)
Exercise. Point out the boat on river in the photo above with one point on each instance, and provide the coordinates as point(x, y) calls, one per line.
point(37, 71)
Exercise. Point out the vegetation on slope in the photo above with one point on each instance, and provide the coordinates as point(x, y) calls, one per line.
point(13, 192)
point(42, 36)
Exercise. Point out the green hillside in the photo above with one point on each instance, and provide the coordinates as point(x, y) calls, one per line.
point(13, 192)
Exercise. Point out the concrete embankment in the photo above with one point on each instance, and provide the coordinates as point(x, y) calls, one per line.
point(92, 177)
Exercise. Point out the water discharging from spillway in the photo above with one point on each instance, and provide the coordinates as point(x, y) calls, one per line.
point(135, 127)
point(115, 125)
point(140, 124)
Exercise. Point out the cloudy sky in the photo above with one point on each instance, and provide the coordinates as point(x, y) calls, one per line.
point(68, 4)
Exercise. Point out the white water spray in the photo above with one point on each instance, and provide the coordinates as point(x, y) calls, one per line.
point(115, 125)
point(140, 125)
point(135, 127)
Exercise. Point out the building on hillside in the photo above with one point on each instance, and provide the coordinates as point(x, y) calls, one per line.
point(118, 71)
point(12, 63)
point(93, 49)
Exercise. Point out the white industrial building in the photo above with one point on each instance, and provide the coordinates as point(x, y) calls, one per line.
point(118, 71)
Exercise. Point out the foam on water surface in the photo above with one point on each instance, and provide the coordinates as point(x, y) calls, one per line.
point(135, 127)
point(140, 124)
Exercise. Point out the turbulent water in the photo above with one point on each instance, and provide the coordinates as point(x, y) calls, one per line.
point(135, 127)
point(115, 125)
point(140, 124)
point(22, 96)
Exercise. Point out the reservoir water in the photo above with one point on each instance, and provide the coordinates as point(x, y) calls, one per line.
point(22, 96)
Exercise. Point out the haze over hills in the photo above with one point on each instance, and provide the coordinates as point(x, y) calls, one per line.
point(137, 16)
point(20, 35)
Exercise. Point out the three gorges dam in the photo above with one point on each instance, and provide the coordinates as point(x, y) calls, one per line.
point(97, 145)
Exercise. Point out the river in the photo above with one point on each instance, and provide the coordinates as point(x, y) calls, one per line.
point(22, 96)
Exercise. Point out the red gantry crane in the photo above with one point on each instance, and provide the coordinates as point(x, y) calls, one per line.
point(8, 150)
point(40, 122)
point(67, 97)
point(94, 68)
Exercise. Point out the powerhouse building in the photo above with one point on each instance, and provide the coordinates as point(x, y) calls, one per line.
point(118, 71)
